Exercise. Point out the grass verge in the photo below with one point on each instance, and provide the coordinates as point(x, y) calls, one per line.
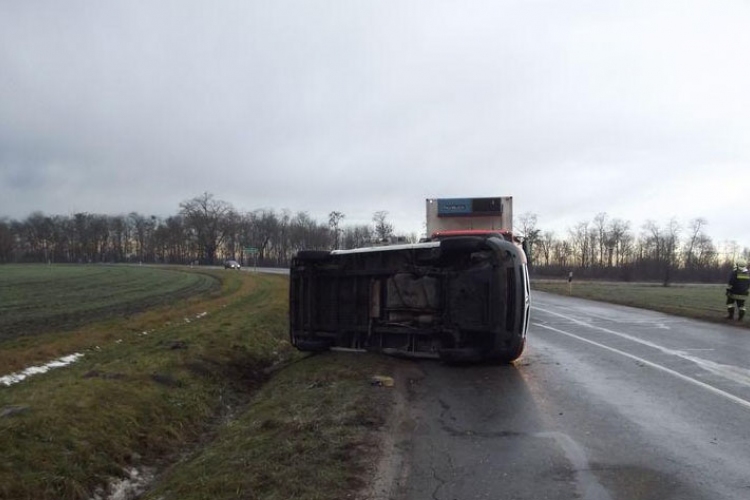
point(206, 392)
point(308, 434)
point(147, 387)
point(698, 301)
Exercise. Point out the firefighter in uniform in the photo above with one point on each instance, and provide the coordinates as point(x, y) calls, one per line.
point(737, 289)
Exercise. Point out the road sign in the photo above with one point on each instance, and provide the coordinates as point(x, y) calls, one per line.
point(251, 250)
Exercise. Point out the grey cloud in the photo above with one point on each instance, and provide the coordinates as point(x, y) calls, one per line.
point(572, 108)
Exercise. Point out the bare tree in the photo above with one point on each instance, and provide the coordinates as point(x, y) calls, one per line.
point(660, 246)
point(545, 244)
point(704, 253)
point(334, 221)
point(7, 241)
point(672, 244)
point(260, 229)
point(618, 242)
point(357, 236)
point(731, 250)
point(696, 231)
point(205, 225)
point(233, 246)
point(562, 252)
point(580, 242)
point(174, 240)
point(205, 216)
point(600, 228)
point(118, 236)
point(527, 224)
point(383, 228)
point(306, 233)
point(143, 228)
point(281, 242)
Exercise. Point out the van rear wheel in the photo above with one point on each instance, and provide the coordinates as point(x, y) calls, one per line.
point(511, 354)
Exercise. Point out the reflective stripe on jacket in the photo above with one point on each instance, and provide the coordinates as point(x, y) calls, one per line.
point(739, 283)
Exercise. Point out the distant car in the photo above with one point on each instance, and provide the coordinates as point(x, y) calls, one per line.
point(231, 264)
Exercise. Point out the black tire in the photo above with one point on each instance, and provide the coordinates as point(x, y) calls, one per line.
point(507, 356)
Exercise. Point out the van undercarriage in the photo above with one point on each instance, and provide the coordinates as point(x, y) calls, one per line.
point(460, 299)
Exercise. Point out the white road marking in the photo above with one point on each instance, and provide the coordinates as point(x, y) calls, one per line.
point(729, 372)
point(607, 330)
point(659, 325)
point(703, 385)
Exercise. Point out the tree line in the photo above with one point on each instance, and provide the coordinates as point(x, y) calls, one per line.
point(610, 248)
point(205, 231)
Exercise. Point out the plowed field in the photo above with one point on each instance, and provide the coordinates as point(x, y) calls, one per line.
point(36, 298)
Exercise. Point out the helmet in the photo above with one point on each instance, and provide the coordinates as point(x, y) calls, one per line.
point(741, 263)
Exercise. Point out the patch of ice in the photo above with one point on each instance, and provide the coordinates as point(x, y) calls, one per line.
point(128, 488)
point(14, 378)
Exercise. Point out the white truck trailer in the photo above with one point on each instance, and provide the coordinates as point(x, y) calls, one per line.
point(452, 214)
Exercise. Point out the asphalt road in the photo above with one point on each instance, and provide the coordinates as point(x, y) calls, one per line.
point(607, 403)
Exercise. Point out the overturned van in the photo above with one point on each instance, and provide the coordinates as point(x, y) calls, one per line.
point(462, 298)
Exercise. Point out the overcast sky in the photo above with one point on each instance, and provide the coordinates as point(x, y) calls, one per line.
point(640, 109)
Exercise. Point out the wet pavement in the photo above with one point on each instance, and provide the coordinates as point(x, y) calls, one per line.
point(607, 403)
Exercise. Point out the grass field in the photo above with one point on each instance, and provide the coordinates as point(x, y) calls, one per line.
point(205, 393)
point(699, 301)
point(35, 297)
